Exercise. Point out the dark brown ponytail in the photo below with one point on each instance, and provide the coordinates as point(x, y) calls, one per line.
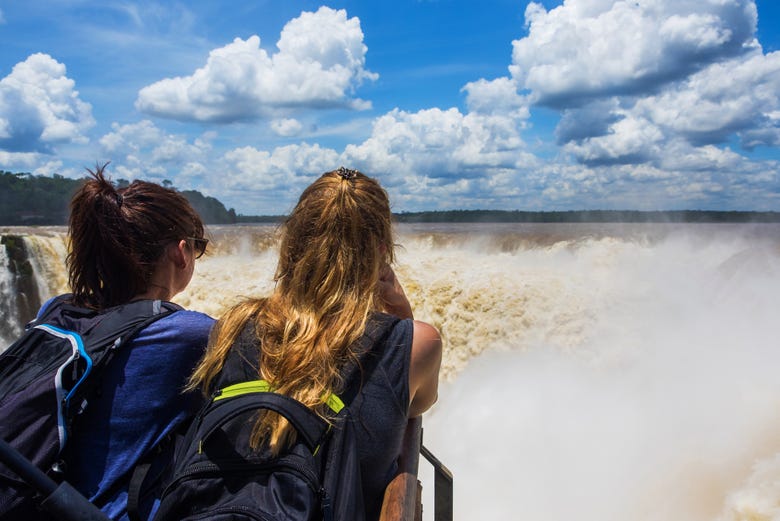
point(117, 236)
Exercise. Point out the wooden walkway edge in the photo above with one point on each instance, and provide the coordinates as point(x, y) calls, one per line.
point(403, 496)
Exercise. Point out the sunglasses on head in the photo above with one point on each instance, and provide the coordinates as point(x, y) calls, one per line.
point(198, 245)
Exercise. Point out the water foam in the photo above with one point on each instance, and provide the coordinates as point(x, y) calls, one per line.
point(662, 405)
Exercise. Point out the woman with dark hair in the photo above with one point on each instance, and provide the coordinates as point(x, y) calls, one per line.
point(136, 242)
point(320, 329)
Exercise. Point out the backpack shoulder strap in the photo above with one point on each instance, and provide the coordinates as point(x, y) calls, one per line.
point(50, 309)
point(123, 322)
point(241, 363)
point(101, 334)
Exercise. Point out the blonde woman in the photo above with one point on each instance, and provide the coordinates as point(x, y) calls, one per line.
point(326, 323)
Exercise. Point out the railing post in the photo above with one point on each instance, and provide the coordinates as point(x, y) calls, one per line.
point(61, 500)
point(442, 487)
point(403, 496)
point(402, 501)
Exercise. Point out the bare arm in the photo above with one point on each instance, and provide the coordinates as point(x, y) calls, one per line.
point(426, 345)
point(392, 295)
point(424, 368)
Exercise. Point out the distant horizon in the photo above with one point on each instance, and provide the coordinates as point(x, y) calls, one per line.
point(689, 216)
point(528, 217)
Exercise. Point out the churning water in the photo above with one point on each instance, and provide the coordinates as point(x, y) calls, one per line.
point(591, 372)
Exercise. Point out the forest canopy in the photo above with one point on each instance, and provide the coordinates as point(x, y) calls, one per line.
point(27, 199)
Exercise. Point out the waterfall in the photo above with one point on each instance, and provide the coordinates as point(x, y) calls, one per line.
point(9, 325)
point(20, 296)
point(32, 269)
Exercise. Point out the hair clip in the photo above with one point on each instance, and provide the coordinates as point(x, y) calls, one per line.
point(119, 199)
point(347, 173)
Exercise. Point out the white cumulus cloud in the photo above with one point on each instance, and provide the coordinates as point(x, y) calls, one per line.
point(19, 161)
point(262, 182)
point(144, 151)
point(590, 48)
point(40, 107)
point(630, 140)
point(634, 80)
point(444, 158)
point(440, 143)
point(286, 127)
point(319, 63)
point(286, 168)
point(734, 97)
point(497, 96)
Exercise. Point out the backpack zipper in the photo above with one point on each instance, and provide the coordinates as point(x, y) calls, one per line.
point(263, 386)
point(253, 386)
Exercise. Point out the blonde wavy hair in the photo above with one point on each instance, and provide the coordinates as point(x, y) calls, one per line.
point(333, 246)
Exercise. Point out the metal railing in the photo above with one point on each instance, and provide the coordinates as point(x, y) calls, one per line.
point(59, 499)
point(442, 487)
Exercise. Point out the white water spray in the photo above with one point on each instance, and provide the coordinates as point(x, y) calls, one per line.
point(664, 405)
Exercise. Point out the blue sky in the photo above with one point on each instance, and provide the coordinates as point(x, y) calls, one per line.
point(552, 105)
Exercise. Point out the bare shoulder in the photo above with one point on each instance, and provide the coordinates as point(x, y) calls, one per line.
point(426, 348)
point(424, 368)
point(426, 333)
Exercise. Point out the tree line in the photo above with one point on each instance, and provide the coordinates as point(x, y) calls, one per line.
point(27, 199)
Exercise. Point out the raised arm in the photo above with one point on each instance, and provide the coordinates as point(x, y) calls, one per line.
point(426, 345)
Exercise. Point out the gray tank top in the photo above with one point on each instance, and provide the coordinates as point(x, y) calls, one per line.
point(381, 409)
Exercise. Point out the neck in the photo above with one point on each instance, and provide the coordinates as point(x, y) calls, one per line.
point(155, 292)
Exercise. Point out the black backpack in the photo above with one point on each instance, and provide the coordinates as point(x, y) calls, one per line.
point(217, 476)
point(46, 378)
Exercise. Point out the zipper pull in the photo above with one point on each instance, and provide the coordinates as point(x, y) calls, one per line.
point(327, 508)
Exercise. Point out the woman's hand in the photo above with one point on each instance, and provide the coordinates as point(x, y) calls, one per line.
point(392, 295)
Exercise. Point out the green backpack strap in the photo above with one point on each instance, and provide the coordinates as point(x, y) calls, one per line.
point(263, 386)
